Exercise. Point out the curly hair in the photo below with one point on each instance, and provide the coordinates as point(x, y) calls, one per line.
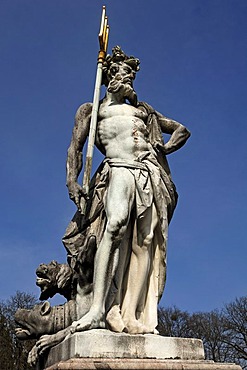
point(118, 56)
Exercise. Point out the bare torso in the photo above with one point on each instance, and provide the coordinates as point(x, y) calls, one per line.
point(122, 130)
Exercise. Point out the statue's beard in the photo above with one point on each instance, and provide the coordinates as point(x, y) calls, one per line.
point(126, 89)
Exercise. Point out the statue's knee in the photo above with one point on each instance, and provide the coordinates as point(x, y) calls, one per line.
point(147, 240)
point(116, 228)
point(112, 227)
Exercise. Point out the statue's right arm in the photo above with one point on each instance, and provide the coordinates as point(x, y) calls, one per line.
point(74, 158)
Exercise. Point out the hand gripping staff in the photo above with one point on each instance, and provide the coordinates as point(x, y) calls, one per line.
point(103, 42)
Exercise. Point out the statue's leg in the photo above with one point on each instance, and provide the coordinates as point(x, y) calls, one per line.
point(118, 205)
point(114, 318)
point(139, 270)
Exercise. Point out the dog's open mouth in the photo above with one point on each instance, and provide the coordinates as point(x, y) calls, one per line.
point(41, 278)
point(22, 333)
point(40, 281)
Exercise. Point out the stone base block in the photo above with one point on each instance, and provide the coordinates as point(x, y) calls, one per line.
point(139, 364)
point(103, 349)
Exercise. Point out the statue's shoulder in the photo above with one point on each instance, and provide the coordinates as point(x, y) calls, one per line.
point(147, 108)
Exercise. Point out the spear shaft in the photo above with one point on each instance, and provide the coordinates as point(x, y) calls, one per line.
point(103, 41)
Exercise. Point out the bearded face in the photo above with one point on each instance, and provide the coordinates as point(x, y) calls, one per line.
point(121, 78)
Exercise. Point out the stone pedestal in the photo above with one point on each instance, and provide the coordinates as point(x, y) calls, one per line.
point(138, 364)
point(102, 349)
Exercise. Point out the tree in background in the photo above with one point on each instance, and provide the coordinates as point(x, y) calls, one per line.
point(209, 327)
point(235, 323)
point(13, 353)
point(223, 332)
point(173, 322)
point(6, 353)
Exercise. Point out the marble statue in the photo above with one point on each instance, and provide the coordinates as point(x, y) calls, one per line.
point(132, 201)
point(117, 248)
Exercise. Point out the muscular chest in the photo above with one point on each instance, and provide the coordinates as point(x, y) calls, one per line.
point(120, 121)
point(120, 110)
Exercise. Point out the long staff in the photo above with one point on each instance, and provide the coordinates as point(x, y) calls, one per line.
point(103, 42)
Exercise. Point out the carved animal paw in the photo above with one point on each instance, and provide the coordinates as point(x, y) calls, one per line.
point(33, 356)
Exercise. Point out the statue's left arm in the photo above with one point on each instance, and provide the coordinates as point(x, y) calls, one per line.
point(74, 158)
point(179, 134)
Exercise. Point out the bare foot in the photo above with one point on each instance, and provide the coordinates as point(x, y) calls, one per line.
point(135, 327)
point(114, 319)
point(91, 320)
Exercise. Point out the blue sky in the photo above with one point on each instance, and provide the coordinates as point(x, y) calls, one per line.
point(193, 68)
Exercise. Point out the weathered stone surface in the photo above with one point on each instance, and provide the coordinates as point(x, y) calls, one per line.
point(117, 240)
point(105, 344)
point(128, 266)
point(146, 364)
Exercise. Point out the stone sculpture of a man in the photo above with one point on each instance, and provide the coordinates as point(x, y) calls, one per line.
point(132, 199)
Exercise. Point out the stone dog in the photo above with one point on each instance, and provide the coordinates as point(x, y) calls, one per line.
point(43, 319)
point(54, 278)
point(55, 322)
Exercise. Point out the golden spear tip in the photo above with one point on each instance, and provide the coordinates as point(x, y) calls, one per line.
point(104, 31)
